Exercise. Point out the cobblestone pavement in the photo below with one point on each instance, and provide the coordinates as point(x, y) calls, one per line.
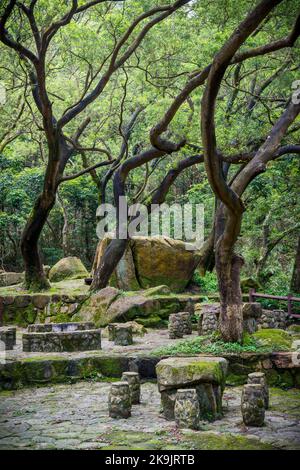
point(76, 417)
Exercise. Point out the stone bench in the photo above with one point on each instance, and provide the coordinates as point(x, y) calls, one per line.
point(60, 327)
point(80, 340)
point(8, 337)
point(203, 373)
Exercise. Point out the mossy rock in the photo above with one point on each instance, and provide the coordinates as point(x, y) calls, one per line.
point(68, 268)
point(276, 339)
point(176, 372)
point(158, 290)
point(154, 321)
point(294, 328)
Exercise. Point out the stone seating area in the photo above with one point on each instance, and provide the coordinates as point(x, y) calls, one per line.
point(204, 374)
point(62, 337)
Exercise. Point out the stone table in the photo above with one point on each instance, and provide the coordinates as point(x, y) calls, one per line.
point(204, 373)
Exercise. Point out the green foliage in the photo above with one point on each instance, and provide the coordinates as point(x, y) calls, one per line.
point(211, 344)
point(157, 72)
point(207, 284)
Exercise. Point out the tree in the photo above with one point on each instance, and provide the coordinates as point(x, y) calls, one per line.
point(162, 146)
point(228, 263)
point(61, 147)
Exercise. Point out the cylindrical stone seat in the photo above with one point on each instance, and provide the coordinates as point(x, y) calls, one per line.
point(208, 318)
point(123, 335)
point(186, 319)
point(186, 409)
point(133, 380)
point(260, 378)
point(119, 401)
point(8, 337)
point(252, 405)
point(175, 326)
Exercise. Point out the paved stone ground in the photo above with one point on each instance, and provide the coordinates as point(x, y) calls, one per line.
point(76, 417)
point(141, 345)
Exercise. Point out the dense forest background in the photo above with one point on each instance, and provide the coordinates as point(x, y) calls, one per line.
point(252, 97)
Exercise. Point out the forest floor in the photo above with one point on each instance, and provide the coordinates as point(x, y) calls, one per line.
point(76, 417)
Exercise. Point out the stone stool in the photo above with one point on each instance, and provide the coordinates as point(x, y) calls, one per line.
point(186, 319)
point(133, 380)
point(8, 337)
point(119, 402)
point(186, 409)
point(260, 378)
point(252, 405)
point(123, 335)
point(175, 326)
point(208, 318)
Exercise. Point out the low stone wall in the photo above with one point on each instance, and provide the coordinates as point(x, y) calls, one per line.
point(274, 319)
point(81, 340)
point(46, 370)
point(254, 317)
point(209, 317)
point(278, 367)
point(23, 310)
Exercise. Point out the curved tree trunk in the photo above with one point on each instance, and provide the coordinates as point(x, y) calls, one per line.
point(35, 278)
point(228, 267)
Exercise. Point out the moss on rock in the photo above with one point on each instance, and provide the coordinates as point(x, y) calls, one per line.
point(68, 268)
point(277, 340)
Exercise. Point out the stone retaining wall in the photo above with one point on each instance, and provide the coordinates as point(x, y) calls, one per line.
point(274, 319)
point(22, 310)
point(278, 367)
point(254, 317)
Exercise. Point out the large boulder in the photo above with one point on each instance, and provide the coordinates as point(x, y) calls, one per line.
point(68, 268)
point(150, 307)
point(10, 278)
point(153, 261)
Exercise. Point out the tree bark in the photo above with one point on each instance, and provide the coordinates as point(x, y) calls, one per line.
point(35, 278)
point(295, 282)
